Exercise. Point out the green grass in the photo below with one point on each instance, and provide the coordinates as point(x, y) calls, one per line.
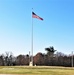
point(38, 70)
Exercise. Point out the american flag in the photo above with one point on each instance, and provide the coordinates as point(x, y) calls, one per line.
point(36, 16)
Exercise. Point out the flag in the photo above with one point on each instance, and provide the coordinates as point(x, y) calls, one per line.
point(36, 16)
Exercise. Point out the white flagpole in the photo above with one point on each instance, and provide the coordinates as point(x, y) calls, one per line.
point(31, 63)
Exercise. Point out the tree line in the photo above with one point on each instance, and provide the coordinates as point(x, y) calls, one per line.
point(40, 59)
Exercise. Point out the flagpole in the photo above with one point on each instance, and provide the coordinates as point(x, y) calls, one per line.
point(33, 16)
point(31, 63)
point(32, 40)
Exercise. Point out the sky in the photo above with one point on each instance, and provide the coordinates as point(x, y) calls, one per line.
point(57, 28)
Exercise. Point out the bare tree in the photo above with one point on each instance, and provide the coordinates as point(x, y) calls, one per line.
point(8, 58)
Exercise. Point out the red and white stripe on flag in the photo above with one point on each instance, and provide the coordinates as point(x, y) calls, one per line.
point(36, 16)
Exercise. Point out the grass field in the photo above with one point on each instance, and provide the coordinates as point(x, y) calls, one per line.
point(38, 70)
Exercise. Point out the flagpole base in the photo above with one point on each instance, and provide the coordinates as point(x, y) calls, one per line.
point(31, 63)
